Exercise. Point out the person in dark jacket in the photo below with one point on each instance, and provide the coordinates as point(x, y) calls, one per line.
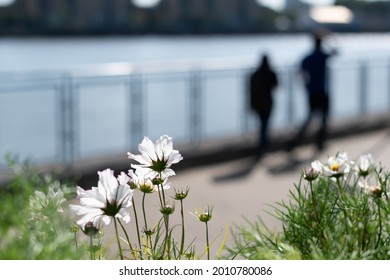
point(262, 84)
point(315, 75)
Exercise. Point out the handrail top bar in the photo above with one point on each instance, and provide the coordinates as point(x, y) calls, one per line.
point(147, 67)
point(133, 68)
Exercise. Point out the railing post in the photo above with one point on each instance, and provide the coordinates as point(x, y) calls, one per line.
point(74, 122)
point(388, 84)
point(363, 88)
point(195, 125)
point(136, 114)
point(62, 120)
point(291, 72)
point(245, 74)
point(67, 123)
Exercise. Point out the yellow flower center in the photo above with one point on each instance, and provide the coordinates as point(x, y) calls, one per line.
point(335, 167)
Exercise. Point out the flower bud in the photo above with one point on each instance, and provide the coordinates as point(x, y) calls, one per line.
point(75, 228)
point(90, 230)
point(310, 175)
point(375, 191)
point(190, 255)
point(167, 210)
point(365, 165)
point(133, 186)
point(157, 181)
point(149, 232)
point(205, 216)
point(181, 195)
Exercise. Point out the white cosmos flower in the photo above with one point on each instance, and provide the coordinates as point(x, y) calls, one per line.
point(123, 179)
point(336, 166)
point(313, 172)
point(364, 165)
point(156, 158)
point(110, 199)
point(317, 166)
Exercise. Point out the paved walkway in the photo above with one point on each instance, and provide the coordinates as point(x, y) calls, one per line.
point(241, 189)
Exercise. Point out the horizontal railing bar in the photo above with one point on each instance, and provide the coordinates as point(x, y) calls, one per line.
point(122, 69)
point(27, 88)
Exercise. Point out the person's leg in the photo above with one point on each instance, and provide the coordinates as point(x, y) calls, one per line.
point(259, 132)
point(264, 140)
point(299, 136)
point(322, 132)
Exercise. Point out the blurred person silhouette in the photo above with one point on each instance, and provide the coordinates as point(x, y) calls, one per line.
point(263, 81)
point(314, 72)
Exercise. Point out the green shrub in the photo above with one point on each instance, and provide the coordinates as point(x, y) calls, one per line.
point(32, 224)
point(338, 210)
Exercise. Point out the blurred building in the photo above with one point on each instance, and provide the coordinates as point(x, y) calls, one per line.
point(122, 16)
point(73, 17)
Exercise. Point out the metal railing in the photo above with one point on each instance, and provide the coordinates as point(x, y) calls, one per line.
point(64, 116)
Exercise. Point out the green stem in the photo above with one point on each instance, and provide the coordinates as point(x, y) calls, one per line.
point(148, 237)
point(182, 228)
point(166, 220)
point(137, 226)
point(75, 240)
point(127, 239)
point(168, 238)
point(159, 197)
point(314, 202)
point(380, 224)
point(355, 184)
point(363, 241)
point(117, 239)
point(144, 212)
point(343, 199)
point(207, 242)
point(163, 194)
point(321, 232)
point(91, 250)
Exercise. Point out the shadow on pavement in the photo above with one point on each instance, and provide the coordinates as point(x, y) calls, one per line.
point(240, 172)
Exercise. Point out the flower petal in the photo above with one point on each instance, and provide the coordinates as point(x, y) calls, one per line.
point(147, 149)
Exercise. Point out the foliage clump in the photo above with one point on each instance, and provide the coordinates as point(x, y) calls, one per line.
point(338, 210)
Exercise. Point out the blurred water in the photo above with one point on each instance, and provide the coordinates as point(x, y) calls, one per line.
point(46, 53)
point(29, 118)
